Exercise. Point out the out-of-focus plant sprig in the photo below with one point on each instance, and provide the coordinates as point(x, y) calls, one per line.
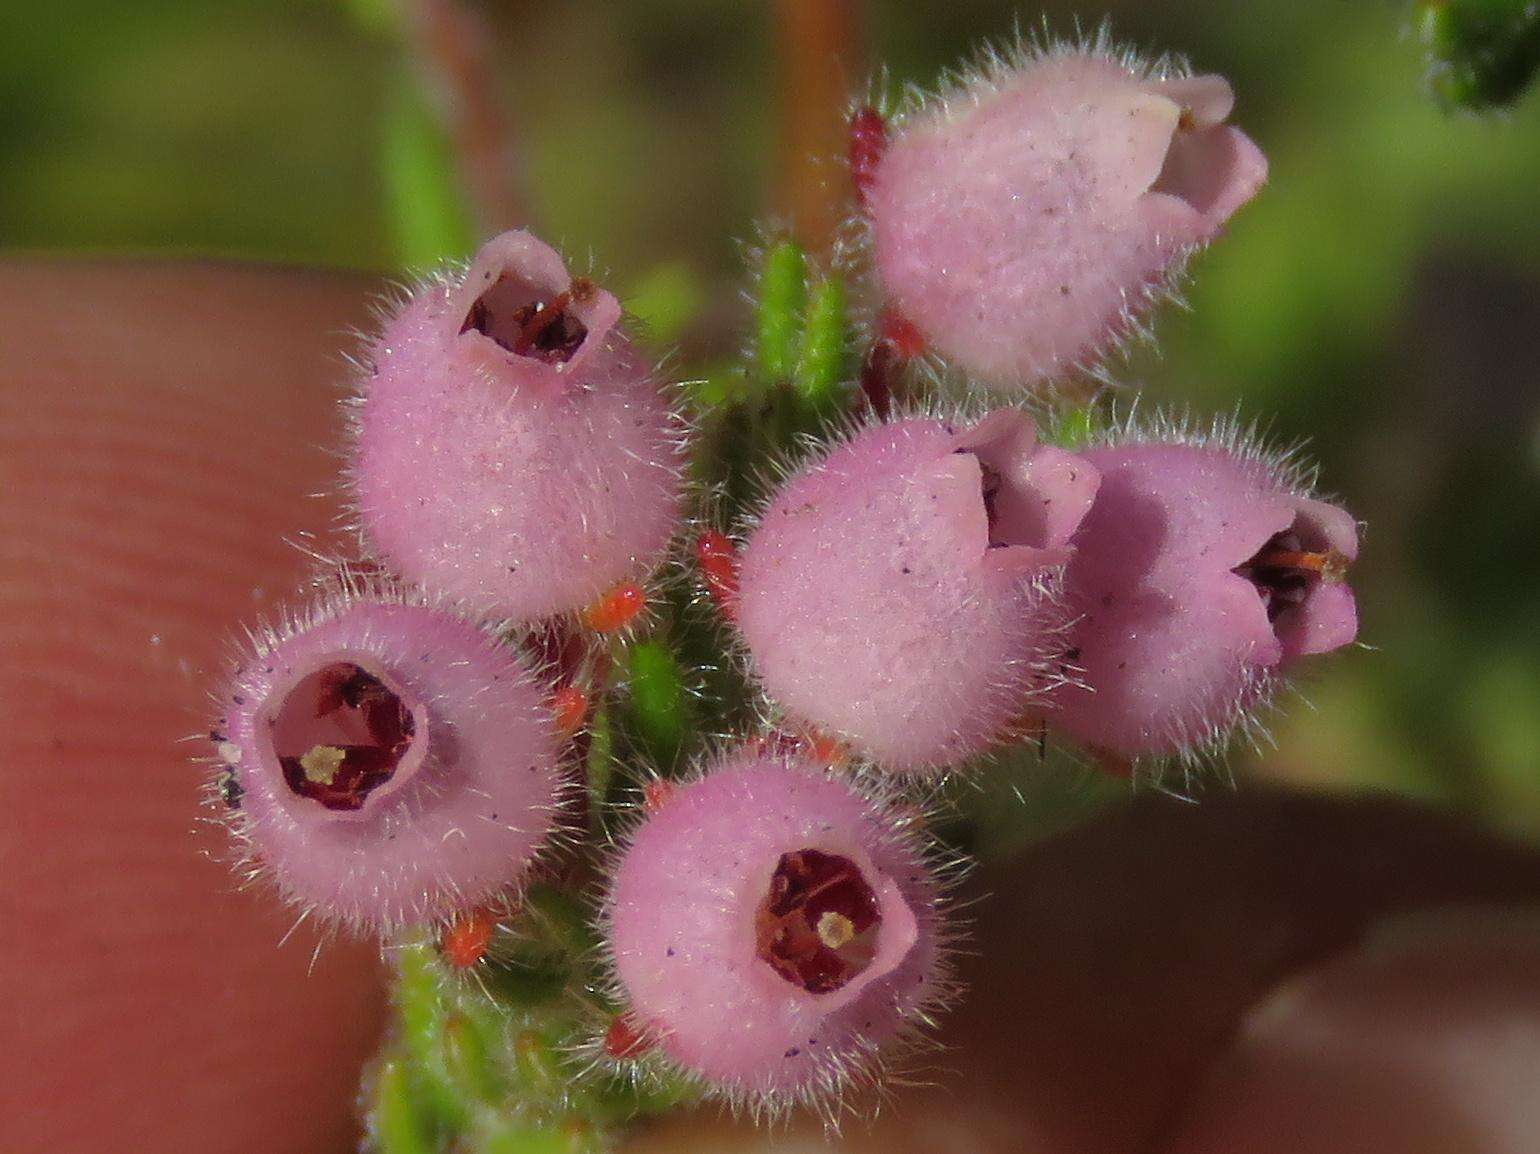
point(1481, 53)
point(490, 1060)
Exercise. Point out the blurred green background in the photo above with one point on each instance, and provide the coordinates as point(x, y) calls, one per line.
point(1381, 298)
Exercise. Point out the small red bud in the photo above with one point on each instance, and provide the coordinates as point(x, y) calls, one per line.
point(718, 561)
point(464, 941)
point(655, 795)
point(868, 142)
point(569, 707)
point(1110, 762)
point(898, 331)
point(616, 609)
point(824, 750)
point(625, 1039)
point(897, 341)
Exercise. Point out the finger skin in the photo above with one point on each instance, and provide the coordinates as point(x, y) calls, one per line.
point(1110, 967)
point(160, 437)
point(1426, 1042)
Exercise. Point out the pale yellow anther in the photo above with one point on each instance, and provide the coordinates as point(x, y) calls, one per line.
point(835, 930)
point(1335, 566)
point(321, 763)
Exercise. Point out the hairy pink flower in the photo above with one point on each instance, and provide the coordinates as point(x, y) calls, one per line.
point(1020, 221)
point(771, 928)
point(897, 593)
point(1202, 569)
point(387, 762)
point(512, 448)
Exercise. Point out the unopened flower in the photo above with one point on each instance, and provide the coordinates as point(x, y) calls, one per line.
point(512, 448)
point(1203, 570)
point(1022, 221)
point(897, 594)
point(387, 762)
point(771, 929)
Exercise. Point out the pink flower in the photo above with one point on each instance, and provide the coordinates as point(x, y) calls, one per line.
point(512, 449)
point(771, 929)
point(897, 594)
point(1202, 571)
point(1022, 221)
point(387, 762)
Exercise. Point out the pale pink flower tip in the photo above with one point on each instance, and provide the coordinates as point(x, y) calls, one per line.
point(772, 928)
point(898, 594)
point(512, 449)
point(1020, 222)
point(388, 763)
point(1200, 573)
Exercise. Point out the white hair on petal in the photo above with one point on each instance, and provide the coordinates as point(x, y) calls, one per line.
point(1045, 667)
point(335, 593)
point(1202, 746)
point(871, 1066)
point(958, 90)
point(444, 279)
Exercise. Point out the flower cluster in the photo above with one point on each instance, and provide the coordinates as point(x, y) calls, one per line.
point(929, 581)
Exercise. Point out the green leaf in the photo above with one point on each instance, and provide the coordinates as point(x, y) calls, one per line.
point(570, 1134)
point(420, 1009)
point(558, 920)
point(821, 367)
point(717, 386)
point(397, 1123)
point(532, 982)
point(1074, 428)
point(467, 1057)
point(659, 712)
point(600, 763)
point(782, 297)
point(619, 1100)
point(538, 1064)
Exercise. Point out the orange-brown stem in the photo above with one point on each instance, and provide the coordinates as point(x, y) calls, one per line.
point(451, 44)
point(820, 49)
